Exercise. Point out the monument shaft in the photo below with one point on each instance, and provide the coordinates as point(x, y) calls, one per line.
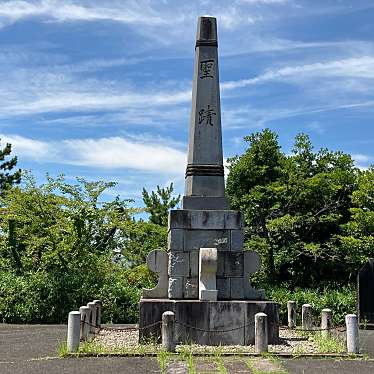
point(205, 185)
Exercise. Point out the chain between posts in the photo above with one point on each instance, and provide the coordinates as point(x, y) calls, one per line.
point(185, 325)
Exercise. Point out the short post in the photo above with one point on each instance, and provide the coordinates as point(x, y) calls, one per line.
point(306, 317)
point(326, 321)
point(167, 331)
point(291, 312)
point(98, 304)
point(261, 333)
point(74, 329)
point(351, 322)
point(92, 320)
point(85, 327)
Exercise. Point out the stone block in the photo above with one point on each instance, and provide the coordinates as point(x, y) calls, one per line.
point(221, 263)
point(194, 263)
point(205, 219)
point(224, 314)
point(234, 264)
point(179, 264)
point(202, 185)
point(237, 240)
point(233, 220)
point(223, 287)
point(150, 312)
point(176, 240)
point(196, 239)
point(157, 261)
point(204, 202)
point(191, 288)
point(208, 295)
point(176, 286)
point(207, 274)
point(197, 320)
point(236, 288)
point(271, 309)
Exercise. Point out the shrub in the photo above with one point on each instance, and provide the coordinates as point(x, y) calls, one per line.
point(341, 301)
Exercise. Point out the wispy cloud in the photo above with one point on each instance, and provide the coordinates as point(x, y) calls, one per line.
point(128, 12)
point(360, 67)
point(106, 153)
point(362, 161)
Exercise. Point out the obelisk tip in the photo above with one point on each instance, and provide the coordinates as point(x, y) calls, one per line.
point(206, 31)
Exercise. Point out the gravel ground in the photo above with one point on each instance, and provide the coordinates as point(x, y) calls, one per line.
point(126, 340)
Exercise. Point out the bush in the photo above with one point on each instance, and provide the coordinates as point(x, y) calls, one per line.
point(341, 301)
point(45, 298)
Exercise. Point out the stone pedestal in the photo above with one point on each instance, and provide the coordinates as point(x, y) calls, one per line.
point(209, 322)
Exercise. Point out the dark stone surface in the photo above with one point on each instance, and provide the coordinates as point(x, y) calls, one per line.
point(90, 365)
point(204, 202)
point(196, 318)
point(365, 291)
point(325, 366)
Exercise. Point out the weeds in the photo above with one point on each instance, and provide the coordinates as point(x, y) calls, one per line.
point(219, 361)
point(163, 358)
point(329, 343)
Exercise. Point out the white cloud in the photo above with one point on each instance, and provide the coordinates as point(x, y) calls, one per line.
point(28, 148)
point(361, 158)
point(106, 153)
point(359, 67)
point(265, 1)
point(128, 12)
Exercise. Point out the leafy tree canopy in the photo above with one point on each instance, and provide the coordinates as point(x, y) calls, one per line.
point(7, 178)
point(295, 207)
point(158, 204)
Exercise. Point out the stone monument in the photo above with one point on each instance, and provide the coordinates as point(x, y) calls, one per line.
point(365, 290)
point(204, 276)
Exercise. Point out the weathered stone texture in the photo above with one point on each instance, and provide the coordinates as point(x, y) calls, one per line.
point(210, 316)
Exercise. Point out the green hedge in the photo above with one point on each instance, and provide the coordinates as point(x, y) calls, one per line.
point(340, 300)
point(45, 298)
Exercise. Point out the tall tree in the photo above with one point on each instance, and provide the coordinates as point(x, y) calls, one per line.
point(7, 178)
point(158, 204)
point(294, 206)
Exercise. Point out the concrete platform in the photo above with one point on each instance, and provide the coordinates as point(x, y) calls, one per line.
point(228, 322)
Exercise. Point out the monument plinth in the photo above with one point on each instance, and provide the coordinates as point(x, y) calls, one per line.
point(204, 276)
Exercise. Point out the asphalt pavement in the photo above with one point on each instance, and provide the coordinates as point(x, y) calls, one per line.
point(29, 349)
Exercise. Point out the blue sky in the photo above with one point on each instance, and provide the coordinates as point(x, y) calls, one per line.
point(102, 89)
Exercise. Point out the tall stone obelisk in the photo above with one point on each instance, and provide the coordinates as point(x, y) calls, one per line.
point(205, 185)
point(204, 276)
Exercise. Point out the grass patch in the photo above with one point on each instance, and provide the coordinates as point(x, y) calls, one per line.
point(219, 361)
point(187, 355)
point(163, 359)
point(328, 343)
point(62, 349)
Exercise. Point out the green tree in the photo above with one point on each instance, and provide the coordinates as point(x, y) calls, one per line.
point(294, 206)
point(58, 226)
point(7, 178)
point(158, 204)
point(357, 239)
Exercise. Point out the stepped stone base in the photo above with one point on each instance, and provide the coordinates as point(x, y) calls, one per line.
point(200, 322)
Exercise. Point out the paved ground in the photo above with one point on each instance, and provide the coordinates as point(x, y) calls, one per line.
point(29, 349)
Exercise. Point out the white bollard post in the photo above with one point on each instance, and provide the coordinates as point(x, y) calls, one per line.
point(74, 329)
point(167, 331)
point(85, 317)
point(92, 320)
point(261, 333)
point(291, 312)
point(306, 317)
point(326, 321)
point(351, 322)
point(98, 304)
